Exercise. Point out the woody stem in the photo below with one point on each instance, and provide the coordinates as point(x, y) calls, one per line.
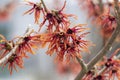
point(28, 32)
point(44, 6)
point(106, 48)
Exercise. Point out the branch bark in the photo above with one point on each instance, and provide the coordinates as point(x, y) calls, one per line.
point(44, 6)
point(28, 32)
point(106, 48)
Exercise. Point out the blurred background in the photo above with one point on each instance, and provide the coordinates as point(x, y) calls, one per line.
point(41, 66)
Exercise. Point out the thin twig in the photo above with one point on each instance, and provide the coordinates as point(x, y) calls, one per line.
point(106, 47)
point(44, 6)
point(82, 63)
point(28, 32)
point(101, 6)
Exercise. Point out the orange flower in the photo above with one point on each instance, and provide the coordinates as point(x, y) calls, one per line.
point(92, 8)
point(112, 68)
point(57, 41)
point(67, 44)
point(77, 35)
point(28, 43)
point(108, 24)
point(14, 61)
point(37, 9)
point(5, 46)
point(57, 19)
point(7, 10)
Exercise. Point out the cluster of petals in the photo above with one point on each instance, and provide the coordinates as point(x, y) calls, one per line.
point(107, 23)
point(106, 69)
point(25, 46)
point(92, 7)
point(67, 44)
point(36, 9)
point(55, 19)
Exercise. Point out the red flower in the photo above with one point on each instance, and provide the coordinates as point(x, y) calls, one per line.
point(77, 35)
point(37, 9)
point(108, 24)
point(5, 46)
point(92, 8)
point(57, 41)
point(68, 44)
point(14, 61)
point(111, 68)
point(28, 44)
point(57, 19)
point(7, 10)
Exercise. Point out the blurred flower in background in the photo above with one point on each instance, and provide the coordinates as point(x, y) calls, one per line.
point(7, 10)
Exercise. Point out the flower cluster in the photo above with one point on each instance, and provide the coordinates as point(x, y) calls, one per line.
point(102, 14)
point(7, 10)
point(24, 46)
point(56, 19)
point(13, 61)
point(106, 69)
point(92, 8)
point(67, 44)
point(37, 9)
point(5, 46)
point(29, 42)
point(108, 24)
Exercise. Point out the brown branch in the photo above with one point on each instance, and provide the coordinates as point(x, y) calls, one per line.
point(44, 6)
point(28, 32)
point(82, 64)
point(106, 48)
point(101, 6)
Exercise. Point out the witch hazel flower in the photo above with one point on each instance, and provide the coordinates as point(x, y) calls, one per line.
point(23, 45)
point(112, 67)
point(36, 9)
point(67, 44)
point(91, 7)
point(111, 71)
point(107, 68)
point(13, 62)
point(29, 43)
point(108, 24)
point(5, 46)
point(56, 19)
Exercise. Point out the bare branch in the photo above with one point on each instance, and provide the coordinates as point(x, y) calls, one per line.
point(82, 63)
